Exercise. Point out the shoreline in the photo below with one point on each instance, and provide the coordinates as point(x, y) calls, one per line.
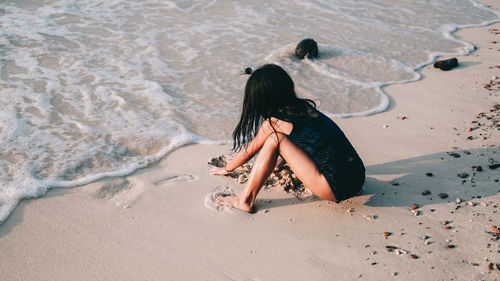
point(385, 105)
point(153, 225)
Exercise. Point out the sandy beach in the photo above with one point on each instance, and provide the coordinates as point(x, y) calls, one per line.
point(436, 147)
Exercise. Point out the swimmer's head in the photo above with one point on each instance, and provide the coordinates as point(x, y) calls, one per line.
point(307, 48)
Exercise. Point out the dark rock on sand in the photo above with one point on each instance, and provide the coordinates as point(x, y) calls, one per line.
point(307, 48)
point(443, 195)
point(446, 64)
point(477, 168)
point(494, 166)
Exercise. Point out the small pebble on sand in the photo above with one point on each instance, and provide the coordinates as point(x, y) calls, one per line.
point(443, 195)
point(426, 192)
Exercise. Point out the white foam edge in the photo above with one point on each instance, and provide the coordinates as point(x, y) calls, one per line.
point(10, 203)
point(385, 102)
point(448, 32)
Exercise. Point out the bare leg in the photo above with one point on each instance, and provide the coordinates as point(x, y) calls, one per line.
point(300, 163)
point(280, 162)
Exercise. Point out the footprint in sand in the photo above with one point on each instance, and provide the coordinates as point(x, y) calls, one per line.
point(210, 199)
point(176, 178)
point(112, 188)
point(120, 191)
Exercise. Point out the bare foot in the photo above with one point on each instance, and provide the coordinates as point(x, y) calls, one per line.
point(235, 202)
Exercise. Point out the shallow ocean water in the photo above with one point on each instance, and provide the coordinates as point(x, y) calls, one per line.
point(101, 88)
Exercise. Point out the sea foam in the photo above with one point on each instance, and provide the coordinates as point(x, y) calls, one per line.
point(93, 89)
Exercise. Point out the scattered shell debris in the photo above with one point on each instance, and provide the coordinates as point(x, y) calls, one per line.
point(282, 178)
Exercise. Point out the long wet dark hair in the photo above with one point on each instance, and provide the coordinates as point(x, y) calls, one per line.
point(269, 89)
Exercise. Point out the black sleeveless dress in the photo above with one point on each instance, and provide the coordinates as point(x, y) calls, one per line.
point(321, 139)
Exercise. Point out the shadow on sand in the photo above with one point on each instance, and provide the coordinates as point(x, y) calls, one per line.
point(401, 183)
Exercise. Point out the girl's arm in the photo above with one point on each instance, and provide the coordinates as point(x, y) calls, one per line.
point(255, 145)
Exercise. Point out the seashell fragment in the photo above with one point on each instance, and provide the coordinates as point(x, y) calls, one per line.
point(494, 31)
point(495, 229)
point(370, 217)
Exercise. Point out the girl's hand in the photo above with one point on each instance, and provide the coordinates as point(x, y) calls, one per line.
point(218, 171)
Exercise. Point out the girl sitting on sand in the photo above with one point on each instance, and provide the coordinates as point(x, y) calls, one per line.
point(275, 122)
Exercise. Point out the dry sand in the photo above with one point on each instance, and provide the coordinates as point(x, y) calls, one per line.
point(160, 223)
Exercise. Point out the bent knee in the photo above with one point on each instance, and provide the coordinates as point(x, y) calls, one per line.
point(275, 138)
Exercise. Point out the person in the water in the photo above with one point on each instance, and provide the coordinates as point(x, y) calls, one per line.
point(307, 48)
point(275, 122)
